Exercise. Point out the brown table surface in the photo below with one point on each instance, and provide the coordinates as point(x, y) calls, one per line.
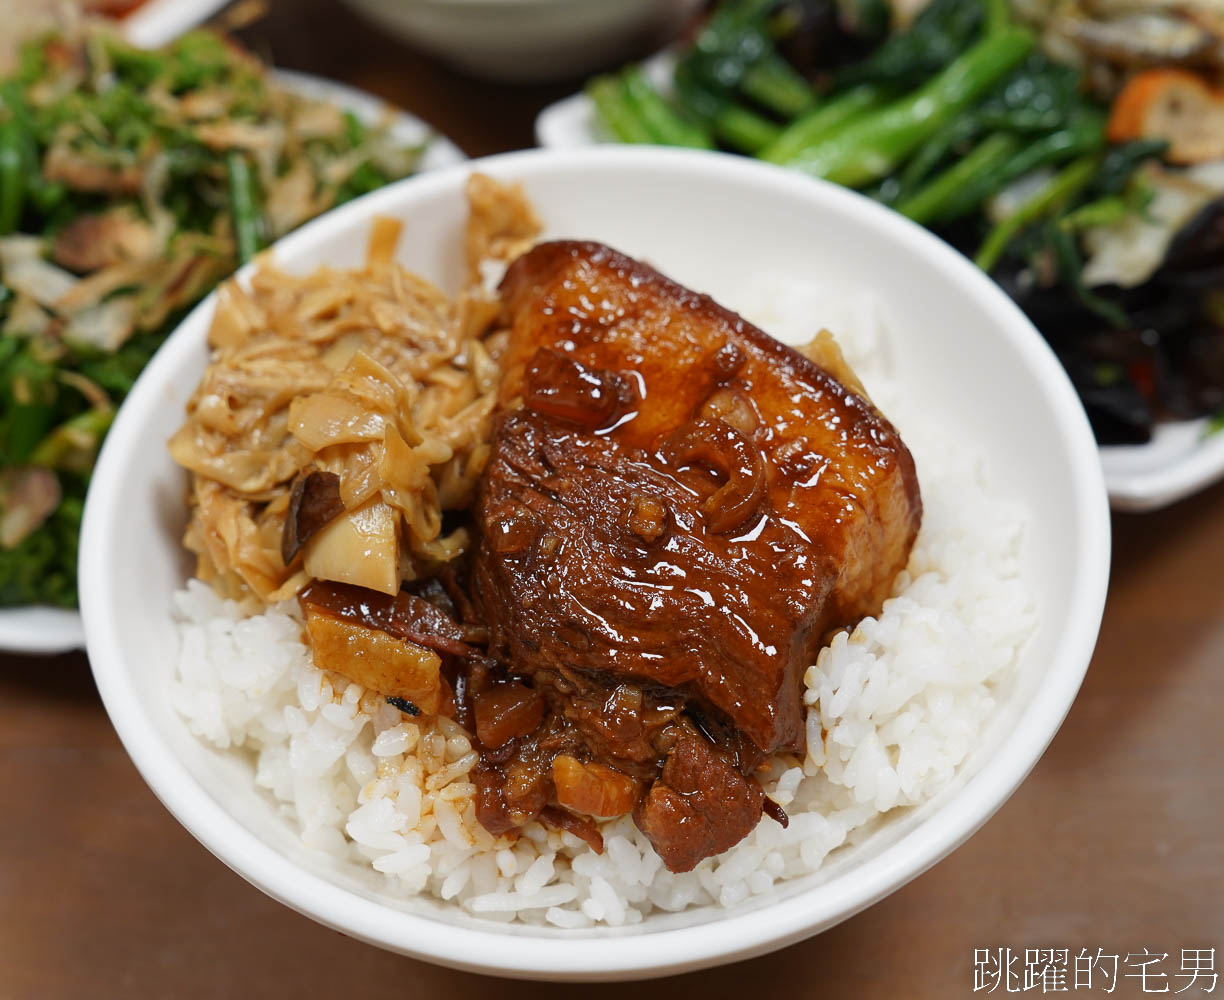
point(1114, 841)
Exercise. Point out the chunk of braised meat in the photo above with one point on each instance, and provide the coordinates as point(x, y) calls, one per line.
point(403, 615)
point(621, 724)
point(505, 712)
point(573, 589)
point(406, 646)
point(514, 783)
point(593, 789)
point(676, 511)
point(375, 659)
point(687, 502)
point(700, 806)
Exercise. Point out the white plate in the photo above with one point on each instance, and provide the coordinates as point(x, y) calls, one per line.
point(157, 22)
point(55, 630)
point(1179, 460)
point(571, 122)
point(406, 128)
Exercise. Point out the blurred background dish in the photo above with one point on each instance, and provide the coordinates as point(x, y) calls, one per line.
point(42, 628)
point(147, 23)
point(529, 40)
point(1179, 460)
point(1075, 152)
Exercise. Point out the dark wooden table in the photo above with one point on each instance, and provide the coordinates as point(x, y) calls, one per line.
point(1115, 842)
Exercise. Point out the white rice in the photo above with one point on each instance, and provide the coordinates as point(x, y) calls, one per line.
point(895, 707)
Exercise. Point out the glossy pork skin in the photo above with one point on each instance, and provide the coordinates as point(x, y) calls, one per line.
point(679, 502)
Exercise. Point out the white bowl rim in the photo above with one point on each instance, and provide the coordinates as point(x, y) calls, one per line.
point(725, 939)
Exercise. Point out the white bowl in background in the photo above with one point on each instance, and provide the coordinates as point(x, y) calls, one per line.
point(705, 219)
point(1181, 459)
point(528, 40)
point(45, 630)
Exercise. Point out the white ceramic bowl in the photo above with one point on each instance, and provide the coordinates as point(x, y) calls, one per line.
point(528, 40)
point(46, 630)
point(706, 220)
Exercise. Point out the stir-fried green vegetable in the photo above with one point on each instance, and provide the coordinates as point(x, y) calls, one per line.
point(1049, 197)
point(662, 122)
point(961, 121)
point(12, 187)
point(940, 197)
point(807, 132)
point(131, 182)
point(243, 206)
point(874, 145)
point(943, 30)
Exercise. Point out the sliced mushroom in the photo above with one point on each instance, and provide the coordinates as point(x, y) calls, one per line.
point(313, 502)
point(84, 173)
point(1140, 38)
point(1128, 252)
point(25, 272)
point(103, 327)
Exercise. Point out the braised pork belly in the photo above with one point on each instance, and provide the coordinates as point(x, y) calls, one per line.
point(677, 512)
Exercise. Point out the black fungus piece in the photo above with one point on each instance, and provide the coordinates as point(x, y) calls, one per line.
point(1117, 410)
point(404, 705)
point(1198, 248)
